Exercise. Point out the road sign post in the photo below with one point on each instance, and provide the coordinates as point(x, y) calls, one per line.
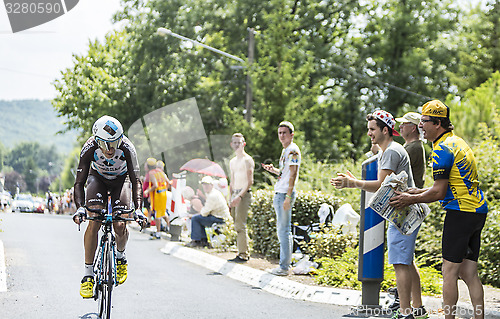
point(371, 243)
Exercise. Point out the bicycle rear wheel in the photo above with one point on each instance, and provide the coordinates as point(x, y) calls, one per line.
point(107, 282)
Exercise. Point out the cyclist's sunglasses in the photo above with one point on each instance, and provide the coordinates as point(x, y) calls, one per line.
point(105, 145)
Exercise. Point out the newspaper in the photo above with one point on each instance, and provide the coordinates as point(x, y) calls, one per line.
point(407, 219)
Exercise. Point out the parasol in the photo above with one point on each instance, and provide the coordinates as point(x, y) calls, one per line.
point(203, 166)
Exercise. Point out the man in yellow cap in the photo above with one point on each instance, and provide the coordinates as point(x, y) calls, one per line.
point(456, 186)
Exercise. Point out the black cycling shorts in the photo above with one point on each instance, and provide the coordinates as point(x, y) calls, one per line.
point(98, 188)
point(462, 235)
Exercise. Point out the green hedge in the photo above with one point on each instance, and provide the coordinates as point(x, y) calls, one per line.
point(262, 220)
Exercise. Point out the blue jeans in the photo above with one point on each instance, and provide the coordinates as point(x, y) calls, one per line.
point(284, 228)
point(198, 224)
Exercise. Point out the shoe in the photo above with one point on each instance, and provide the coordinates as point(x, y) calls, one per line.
point(278, 271)
point(87, 287)
point(194, 244)
point(398, 315)
point(420, 313)
point(154, 237)
point(238, 260)
point(121, 270)
point(204, 243)
point(394, 306)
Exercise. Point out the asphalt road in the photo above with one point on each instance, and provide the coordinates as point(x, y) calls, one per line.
point(44, 263)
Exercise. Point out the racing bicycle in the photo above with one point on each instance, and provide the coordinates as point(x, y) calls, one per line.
point(105, 259)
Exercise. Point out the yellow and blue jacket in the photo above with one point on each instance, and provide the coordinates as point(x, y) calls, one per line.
point(454, 160)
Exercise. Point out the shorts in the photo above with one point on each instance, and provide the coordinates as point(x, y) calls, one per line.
point(400, 248)
point(462, 235)
point(159, 203)
point(98, 188)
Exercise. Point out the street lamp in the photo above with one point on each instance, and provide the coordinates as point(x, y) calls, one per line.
point(248, 98)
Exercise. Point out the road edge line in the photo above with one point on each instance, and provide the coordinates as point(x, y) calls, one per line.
point(3, 269)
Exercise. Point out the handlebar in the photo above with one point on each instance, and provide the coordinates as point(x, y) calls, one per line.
point(102, 211)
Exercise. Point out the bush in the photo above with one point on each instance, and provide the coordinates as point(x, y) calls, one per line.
point(329, 242)
point(262, 220)
point(341, 271)
point(489, 259)
point(428, 245)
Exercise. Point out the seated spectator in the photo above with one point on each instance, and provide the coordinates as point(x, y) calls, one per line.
point(215, 211)
point(195, 203)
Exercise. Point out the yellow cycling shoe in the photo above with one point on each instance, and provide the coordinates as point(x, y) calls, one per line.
point(87, 287)
point(121, 270)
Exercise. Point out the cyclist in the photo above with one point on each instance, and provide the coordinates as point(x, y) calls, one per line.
point(108, 163)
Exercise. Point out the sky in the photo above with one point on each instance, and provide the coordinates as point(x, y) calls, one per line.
point(30, 60)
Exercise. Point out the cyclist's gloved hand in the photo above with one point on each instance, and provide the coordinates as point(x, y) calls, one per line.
point(80, 215)
point(140, 218)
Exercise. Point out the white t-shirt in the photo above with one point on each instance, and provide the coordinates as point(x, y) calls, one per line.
point(289, 156)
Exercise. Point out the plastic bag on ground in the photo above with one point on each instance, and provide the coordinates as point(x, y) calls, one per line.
point(304, 266)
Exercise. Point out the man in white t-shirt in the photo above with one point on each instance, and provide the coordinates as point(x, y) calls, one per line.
point(288, 174)
point(241, 166)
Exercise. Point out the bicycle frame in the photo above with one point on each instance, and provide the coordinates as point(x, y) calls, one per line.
point(105, 259)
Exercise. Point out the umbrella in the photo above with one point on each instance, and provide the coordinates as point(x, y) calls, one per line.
point(204, 166)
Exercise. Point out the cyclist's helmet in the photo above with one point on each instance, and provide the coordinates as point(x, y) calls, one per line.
point(108, 132)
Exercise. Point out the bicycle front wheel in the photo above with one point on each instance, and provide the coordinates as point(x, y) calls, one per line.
point(107, 282)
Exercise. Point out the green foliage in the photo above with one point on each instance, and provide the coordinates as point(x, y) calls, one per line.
point(489, 259)
point(33, 164)
point(342, 271)
point(431, 280)
point(339, 272)
point(477, 46)
point(328, 242)
point(428, 244)
point(229, 236)
point(262, 223)
point(316, 175)
point(480, 105)
point(314, 64)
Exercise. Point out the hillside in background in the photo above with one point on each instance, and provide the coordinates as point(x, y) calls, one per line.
point(33, 121)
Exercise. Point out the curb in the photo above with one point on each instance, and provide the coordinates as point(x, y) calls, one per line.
point(260, 279)
point(287, 288)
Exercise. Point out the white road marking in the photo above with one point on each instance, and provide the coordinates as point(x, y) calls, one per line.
point(3, 270)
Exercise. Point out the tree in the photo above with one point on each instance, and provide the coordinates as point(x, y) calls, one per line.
point(478, 45)
point(322, 65)
point(479, 105)
point(33, 161)
point(2, 155)
point(14, 182)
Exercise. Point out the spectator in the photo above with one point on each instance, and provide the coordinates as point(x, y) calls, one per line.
point(241, 167)
point(149, 165)
point(288, 174)
point(413, 145)
point(195, 203)
point(214, 211)
point(158, 188)
point(401, 248)
point(456, 186)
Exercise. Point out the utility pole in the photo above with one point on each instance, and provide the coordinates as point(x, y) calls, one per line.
point(251, 48)
point(248, 99)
